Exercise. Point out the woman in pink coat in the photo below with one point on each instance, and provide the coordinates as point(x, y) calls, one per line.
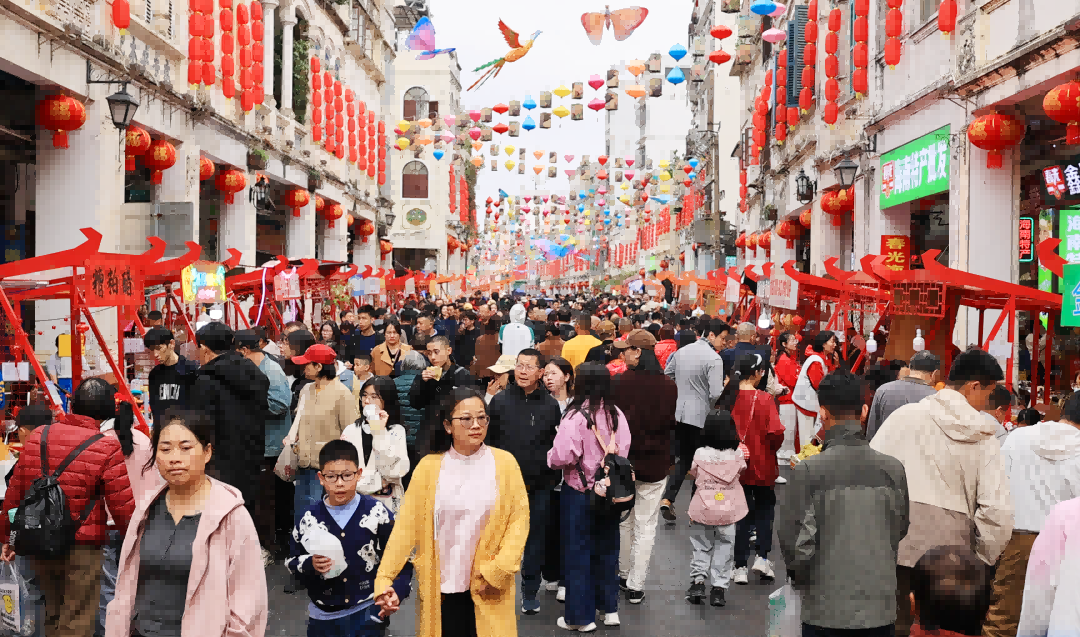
point(191, 564)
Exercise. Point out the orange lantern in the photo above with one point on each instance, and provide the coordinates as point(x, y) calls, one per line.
point(160, 156)
point(332, 213)
point(1062, 104)
point(804, 218)
point(296, 199)
point(385, 247)
point(994, 133)
point(320, 204)
point(349, 220)
point(765, 241)
point(230, 182)
point(206, 169)
point(790, 232)
point(751, 242)
point(137, 142)
point(60, 114)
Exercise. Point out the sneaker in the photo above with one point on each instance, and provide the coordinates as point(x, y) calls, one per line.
point(611, 619)
point(763, 567)
point(716, 597)
point(634, 597)
point(739, 576)
point(530, 606)
point(267, 558)
point(622, 584)
point(781, 480)
point(587, 628)
point(561, 595)
point(696, 592)
point(551, 587)
point(667, 511)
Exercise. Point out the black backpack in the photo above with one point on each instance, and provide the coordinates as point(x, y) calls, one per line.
point(43, 526)
point(621, 494)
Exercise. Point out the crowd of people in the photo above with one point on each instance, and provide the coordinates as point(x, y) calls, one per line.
point(449, 447)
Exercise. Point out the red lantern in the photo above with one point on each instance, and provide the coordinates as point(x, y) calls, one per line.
point(206, 169)
point(740, 241)
point(806, 99)
point(946, 18)
point(892, 52)
point(385, 247)
point(137, 141)
point(860, 55)
point(765, 241)
point(832, 41)
point(781, 132)
point(720, 32)
point(832, 89)
point(719, 56)
point(316, 66)
point(121, 16)
point(995, 132)
point(682, 257)
point(742, 177)
point(835, 17)
point(809, 56)
point(861, 28)
point(161, 155)
point(810, 31)
point(230, 182)
point(808, 77)
point(752, 242)
point(859, 82)
point(792, 116)
point(894, 23)
point(790, 232)
point(367, 228)
point(832, 66)
point(60, 114)
point(1062, 104)
point(804, 218)
point(296, 199)
point(830, 113)
point(332, 213)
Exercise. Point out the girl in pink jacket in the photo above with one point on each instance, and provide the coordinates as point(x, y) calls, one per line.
point(717, 504)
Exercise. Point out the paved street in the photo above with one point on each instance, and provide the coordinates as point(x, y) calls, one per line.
point(663, 613)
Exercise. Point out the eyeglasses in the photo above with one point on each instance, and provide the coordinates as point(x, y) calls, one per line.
point(468, 420)
point(522, 367)
point(334, 477)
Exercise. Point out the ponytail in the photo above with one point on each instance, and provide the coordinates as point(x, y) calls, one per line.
point(125, 418)
point(727, 399)
point(744, 366)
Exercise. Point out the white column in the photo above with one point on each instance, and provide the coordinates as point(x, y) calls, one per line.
point(366, 252)
point(334, 240)
point(300, 233)
point(287, 24)
point(268, 8)
point(181, 184)
point(237, 226)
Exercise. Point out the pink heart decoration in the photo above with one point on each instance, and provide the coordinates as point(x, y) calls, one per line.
point(596, 104)
point(475, 133)
point(602, 159)
point(545, 199)
point(475, 115)
point(528, 198)
point(526, 209)
point(568, 158)
point(602, 191)
point(629, 161)
point(629, 174)
point(596, 82)
point(570, 172)
point(449, 119)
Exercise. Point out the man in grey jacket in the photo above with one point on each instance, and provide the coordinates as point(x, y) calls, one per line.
point(841, 525)
point(698, 371)
point(924, 366)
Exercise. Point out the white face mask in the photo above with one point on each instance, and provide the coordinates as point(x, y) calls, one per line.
point(1076, 388)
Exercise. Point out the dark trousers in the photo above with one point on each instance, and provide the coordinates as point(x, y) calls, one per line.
point(590, 559)
point(903, 601)
point(271, 511)
point(761, 502)
point(818, 631)
point(358, 624)
point(553, 568)
point(536, 544)
point(458, 615)
point(687, 441)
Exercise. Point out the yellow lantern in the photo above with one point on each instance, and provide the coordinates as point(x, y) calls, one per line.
point(425, 123)
point(636, 91)
point(561, 111)
point(665, 188)
point(509, 150)
point(562, 91)
point(509, 165)
point(663, 163)
point(588, 213)
point(404, 125)
point(402, 143)
point(665, 176)
point(625, 186)
point(624, 199)
point(586, 222)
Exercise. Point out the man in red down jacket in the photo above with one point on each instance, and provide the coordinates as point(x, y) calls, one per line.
point(71, 584)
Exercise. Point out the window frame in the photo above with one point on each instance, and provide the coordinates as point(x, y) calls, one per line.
point(405, 183)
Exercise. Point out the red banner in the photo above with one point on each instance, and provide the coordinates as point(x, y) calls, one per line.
point(897, 251)
point(108, 282)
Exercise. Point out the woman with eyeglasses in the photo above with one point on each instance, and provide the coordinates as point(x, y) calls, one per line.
point(380, 440)
point(466, 515)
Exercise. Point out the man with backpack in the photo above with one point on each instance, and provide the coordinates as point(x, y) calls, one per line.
point(60, 522)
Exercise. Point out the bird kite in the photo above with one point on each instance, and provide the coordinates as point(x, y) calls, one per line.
point(517, 51)
point(621, 21)
point(422, 39)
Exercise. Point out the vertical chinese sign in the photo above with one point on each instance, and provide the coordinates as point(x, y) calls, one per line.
point(108, 282)
point(897, 251)
point(1025, 241)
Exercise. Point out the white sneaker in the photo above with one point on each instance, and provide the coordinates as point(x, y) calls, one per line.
point(763, 568)
point(781, 480)
point(611, 619)
point(551, 587)
point(739, 576)
point(587, 628)
point(561, 595)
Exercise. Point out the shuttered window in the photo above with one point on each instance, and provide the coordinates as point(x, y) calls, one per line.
point(796, 41)
point(414, 181)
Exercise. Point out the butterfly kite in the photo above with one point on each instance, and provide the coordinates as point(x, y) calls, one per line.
point(517, 51)
point(422, 39)
point(622, 22)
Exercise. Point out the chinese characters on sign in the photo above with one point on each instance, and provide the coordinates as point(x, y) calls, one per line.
point(1026, 236)
point(113, 282)
point(915, 170)
point(203, 282)
point(781, 291)
point(897, 251)
point(287, 286)
point(1062, 182)
point(1069, 233)
point(1070, 296)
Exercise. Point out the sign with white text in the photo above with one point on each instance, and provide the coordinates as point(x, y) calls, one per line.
point(916, 169)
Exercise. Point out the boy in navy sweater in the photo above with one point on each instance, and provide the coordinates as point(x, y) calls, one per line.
point(343, 605)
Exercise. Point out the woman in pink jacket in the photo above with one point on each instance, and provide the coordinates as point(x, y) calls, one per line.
point(191, 564)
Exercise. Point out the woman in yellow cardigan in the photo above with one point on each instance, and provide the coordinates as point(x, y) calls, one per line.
point(476, 498)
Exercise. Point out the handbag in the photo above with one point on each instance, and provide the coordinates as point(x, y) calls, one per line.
point(287, 462)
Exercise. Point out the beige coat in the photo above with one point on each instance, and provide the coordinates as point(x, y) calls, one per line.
point(957, 487)
point(381, 365)
point(321, 417)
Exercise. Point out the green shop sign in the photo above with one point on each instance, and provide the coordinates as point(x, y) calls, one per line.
point(916, 169)
point(1070, 296)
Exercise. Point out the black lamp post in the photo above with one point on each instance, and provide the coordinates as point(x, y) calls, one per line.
point(845, 172)
point(804, 188)
point(122, 106)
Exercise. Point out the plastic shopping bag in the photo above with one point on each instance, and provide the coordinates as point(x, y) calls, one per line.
point(16, 609)
point(785, 612)
point(318, 541)
point(286, 465)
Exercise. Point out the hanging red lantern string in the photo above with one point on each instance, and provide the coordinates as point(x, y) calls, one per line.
point(860, 54)
point(257, 51)
point(809, 58)
point(243, 39)
point(60, 114)
point(350, 112)
point(994, 133)
point(894, 28)
point(228, 65)
point(832, 68)
point(137, 142)
point(195, 43)
point(121, 15)
point(209, 25)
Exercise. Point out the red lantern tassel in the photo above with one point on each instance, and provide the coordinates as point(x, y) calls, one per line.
point(836, 220)
point(331, 224)
point(1073, 133)
point(296, 212)
point(229, 198)
point(129, 163)
point(155, 177)
point(993, 159)
point(59, 139)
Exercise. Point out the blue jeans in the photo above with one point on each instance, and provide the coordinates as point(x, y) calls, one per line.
point(532, 562)
point(308, 492)
point(358, 624)
point(591, 559)
point(109, 566)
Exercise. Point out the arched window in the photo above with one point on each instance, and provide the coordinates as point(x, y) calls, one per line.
point(417, 105)
point(414, 181)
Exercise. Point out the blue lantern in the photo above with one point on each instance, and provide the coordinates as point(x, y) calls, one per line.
point(619, 225)
point(607, 222)
point(581, 207)
point(691, 176)
point(607, 213)
point(528, 124)
point(693, 163)
point(438, 154)
point(679, 51)
point(676, 76)
point(581, 194)
point(763, 7)
point(529, 103)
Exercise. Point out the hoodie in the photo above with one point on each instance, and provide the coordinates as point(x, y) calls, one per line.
point(1043, 465)
point(719, 499)
point(958, 490)
point(1051, 606)
point(515, 335)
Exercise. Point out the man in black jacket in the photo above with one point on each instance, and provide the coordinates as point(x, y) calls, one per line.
point(233, 392)
point(747, 335)
point(524, 419)
point(432, 384)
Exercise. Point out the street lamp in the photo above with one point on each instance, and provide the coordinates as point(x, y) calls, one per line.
point(122, 106)
point(845, 172)
point(804, 188)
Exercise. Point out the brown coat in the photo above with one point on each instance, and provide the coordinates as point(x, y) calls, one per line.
point(551, 347)
point(381, 365)
point(488, 351)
